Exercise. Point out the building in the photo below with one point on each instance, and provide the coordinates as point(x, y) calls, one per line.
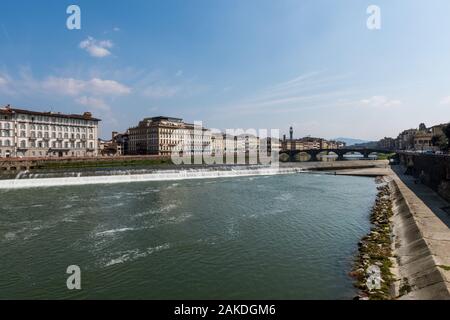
point(423, 141)
point(164, 135)
point(218, 144)
point(311, 143)
point(121, 139)
point(270, 143)
point(25, 133)
point(438, 130)
point(117, 146)
point(387, 143)
point(405, 140)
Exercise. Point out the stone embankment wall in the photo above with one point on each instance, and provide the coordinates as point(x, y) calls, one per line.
point(421, 245)
point(432, 170)
point(17, 164)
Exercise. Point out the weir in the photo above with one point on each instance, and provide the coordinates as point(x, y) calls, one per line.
point(28, 180)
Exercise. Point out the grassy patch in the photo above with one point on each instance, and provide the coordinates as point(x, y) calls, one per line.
point(375, 250)
point(385, 156)
point(103, 164)
point(446, 268)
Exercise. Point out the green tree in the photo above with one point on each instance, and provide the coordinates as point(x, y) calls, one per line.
point(440, 141)
point(444, 141)
point(446, 130)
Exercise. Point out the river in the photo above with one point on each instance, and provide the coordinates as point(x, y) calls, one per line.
point(289, 236)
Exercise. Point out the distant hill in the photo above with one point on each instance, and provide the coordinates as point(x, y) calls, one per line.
point(351, 141)
point(369, 144)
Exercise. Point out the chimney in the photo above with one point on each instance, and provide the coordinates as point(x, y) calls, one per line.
point(87, 115)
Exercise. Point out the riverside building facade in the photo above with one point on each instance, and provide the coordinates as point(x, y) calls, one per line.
point(164, 135)
point(25, 133)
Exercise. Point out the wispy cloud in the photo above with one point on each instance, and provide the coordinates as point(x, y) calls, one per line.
point(445, 101)
point(157, 85)
point(5, 32)
point(96, 103)
point(3, 81)
point(158, 91)
point(313, 88)
point(97, 48)
point(380, 101)
point(96, 86)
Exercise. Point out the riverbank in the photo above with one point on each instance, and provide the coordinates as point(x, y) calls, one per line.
point(373, 264)
point(409, 243)
point(421, 233)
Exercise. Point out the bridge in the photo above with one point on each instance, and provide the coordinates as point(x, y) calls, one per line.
point(314, 154)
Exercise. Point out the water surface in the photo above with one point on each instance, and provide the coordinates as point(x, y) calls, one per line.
point(265, 237)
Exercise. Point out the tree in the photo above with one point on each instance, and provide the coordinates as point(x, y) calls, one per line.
point(446, 136)
point(440, 141)
point(422, 127)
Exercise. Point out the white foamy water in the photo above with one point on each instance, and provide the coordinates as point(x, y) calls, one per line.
point(162, 175)
point(113, 231)
point(135, 254)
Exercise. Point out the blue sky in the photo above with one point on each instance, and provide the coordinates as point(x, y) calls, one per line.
point(245, 64)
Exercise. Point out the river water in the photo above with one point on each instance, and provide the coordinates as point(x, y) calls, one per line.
point(265, 237)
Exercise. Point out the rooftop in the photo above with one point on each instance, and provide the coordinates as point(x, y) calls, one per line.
point(11, 110)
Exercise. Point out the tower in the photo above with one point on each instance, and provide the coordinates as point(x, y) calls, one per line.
point(291, 133)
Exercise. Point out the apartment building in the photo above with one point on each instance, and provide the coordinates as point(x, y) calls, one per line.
point(25, 133)
point(164, 135)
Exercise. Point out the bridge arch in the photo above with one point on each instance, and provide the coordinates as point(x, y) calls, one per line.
point(284, 157)
point(353, 155)
point(327, 156)
point(302, 157)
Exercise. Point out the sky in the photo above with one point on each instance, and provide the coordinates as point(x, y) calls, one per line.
point(262, 64)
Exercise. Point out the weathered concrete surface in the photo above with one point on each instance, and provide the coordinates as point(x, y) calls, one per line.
point(421, 238)
point(367, 172)
point(366, 168)
point(338, 166)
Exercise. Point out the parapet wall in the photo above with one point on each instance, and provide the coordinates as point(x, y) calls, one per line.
point(432, 170)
